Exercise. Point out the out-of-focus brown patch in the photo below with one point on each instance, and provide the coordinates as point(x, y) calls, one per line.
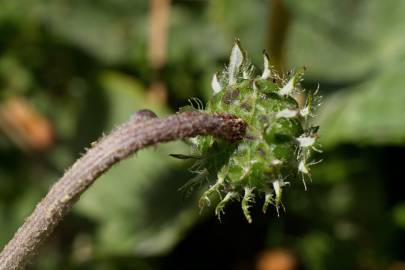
point(159, 25)
point(277, 259)
point(397, 266)
point(24, 125)
point(300, 98)
point(157, 93)
point(159, 19)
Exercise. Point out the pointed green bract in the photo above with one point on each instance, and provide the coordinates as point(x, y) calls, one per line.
point(278, 143)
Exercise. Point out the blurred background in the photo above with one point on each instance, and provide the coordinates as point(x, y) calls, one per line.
point(73, 69)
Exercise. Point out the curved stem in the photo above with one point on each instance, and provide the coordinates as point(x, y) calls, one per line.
point(142, 130)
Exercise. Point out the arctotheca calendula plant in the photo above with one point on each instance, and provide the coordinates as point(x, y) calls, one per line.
point(252, 138)
point(278, 144)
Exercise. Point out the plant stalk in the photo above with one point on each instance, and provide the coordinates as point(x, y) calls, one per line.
point(142, 130)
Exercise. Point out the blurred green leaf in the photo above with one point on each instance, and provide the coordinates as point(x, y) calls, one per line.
point(84, 24)
point(342, 41)
point(15, 211)
point(315, 247)
point(15, 77)
point(399, 215)
point(369, 113)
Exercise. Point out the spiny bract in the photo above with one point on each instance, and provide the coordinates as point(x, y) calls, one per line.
point(278, 141)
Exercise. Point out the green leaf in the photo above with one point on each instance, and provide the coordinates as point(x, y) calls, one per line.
point(369, 113)
point(342, 41)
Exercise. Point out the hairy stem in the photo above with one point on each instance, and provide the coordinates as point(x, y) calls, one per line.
point(142, 130)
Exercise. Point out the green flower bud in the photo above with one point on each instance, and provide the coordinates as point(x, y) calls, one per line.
point(278, 144)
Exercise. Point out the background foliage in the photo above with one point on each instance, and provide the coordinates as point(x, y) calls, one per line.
point(70, 70)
